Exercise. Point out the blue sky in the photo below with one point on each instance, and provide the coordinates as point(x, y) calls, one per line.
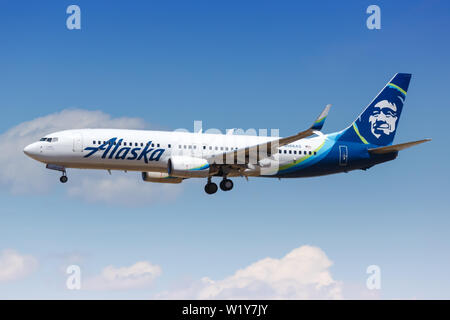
point(244, 64)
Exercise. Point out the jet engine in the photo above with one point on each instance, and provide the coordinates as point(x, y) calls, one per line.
point(160, 177)
point(187, 167)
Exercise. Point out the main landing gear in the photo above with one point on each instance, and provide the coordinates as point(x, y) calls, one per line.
point(225, 185)
point(211, 188)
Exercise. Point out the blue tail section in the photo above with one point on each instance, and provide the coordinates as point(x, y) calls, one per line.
point(378, 123)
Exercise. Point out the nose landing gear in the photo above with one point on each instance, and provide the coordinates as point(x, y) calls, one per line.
point(62, 169)
point(63, 178)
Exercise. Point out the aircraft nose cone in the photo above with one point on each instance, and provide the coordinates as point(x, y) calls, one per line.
point(27, 150)
point(30, 150)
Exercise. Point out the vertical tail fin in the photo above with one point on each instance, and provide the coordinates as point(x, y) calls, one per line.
point(378, 123)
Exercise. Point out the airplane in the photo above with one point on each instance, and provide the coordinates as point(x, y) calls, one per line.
point(171, 157)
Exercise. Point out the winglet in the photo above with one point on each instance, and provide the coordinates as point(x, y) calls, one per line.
point(318, 124)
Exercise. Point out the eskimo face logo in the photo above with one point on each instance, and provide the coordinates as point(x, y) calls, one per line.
point(383, 119)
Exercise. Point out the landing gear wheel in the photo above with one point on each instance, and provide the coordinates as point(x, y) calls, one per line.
point(63, 179)
point(226, 185)
point(211, 188)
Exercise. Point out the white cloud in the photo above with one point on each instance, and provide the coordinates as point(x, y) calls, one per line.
point(302, 274)
point(20, 174)
point(15, 266)
point(139, 275)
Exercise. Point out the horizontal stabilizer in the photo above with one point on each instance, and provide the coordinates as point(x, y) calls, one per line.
point(396, 147)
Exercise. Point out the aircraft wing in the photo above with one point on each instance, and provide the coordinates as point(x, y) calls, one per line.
point(396, 147)
point(266, 149)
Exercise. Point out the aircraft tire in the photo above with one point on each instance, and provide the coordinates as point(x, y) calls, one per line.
point(226, 185)
point(211, 188)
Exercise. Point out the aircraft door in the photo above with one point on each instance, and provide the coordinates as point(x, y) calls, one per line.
point(78, 143)
point(343, 155)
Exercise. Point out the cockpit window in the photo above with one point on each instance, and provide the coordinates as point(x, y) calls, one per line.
point(49, 139)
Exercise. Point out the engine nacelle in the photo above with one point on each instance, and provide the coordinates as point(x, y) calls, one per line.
point(160, 177)
point(188, 167)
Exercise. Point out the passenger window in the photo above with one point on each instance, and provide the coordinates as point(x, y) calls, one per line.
point(93, 142)
point(157, 145)
point(279, 151)
point(204, 147)
point(295, 151)
point(315, 153)
point(168, 145)
point(310, 153)
point(285, 151)
point(290, 151)
point(210, 147)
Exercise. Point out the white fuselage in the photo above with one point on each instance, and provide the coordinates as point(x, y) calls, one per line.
point(148, 151)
